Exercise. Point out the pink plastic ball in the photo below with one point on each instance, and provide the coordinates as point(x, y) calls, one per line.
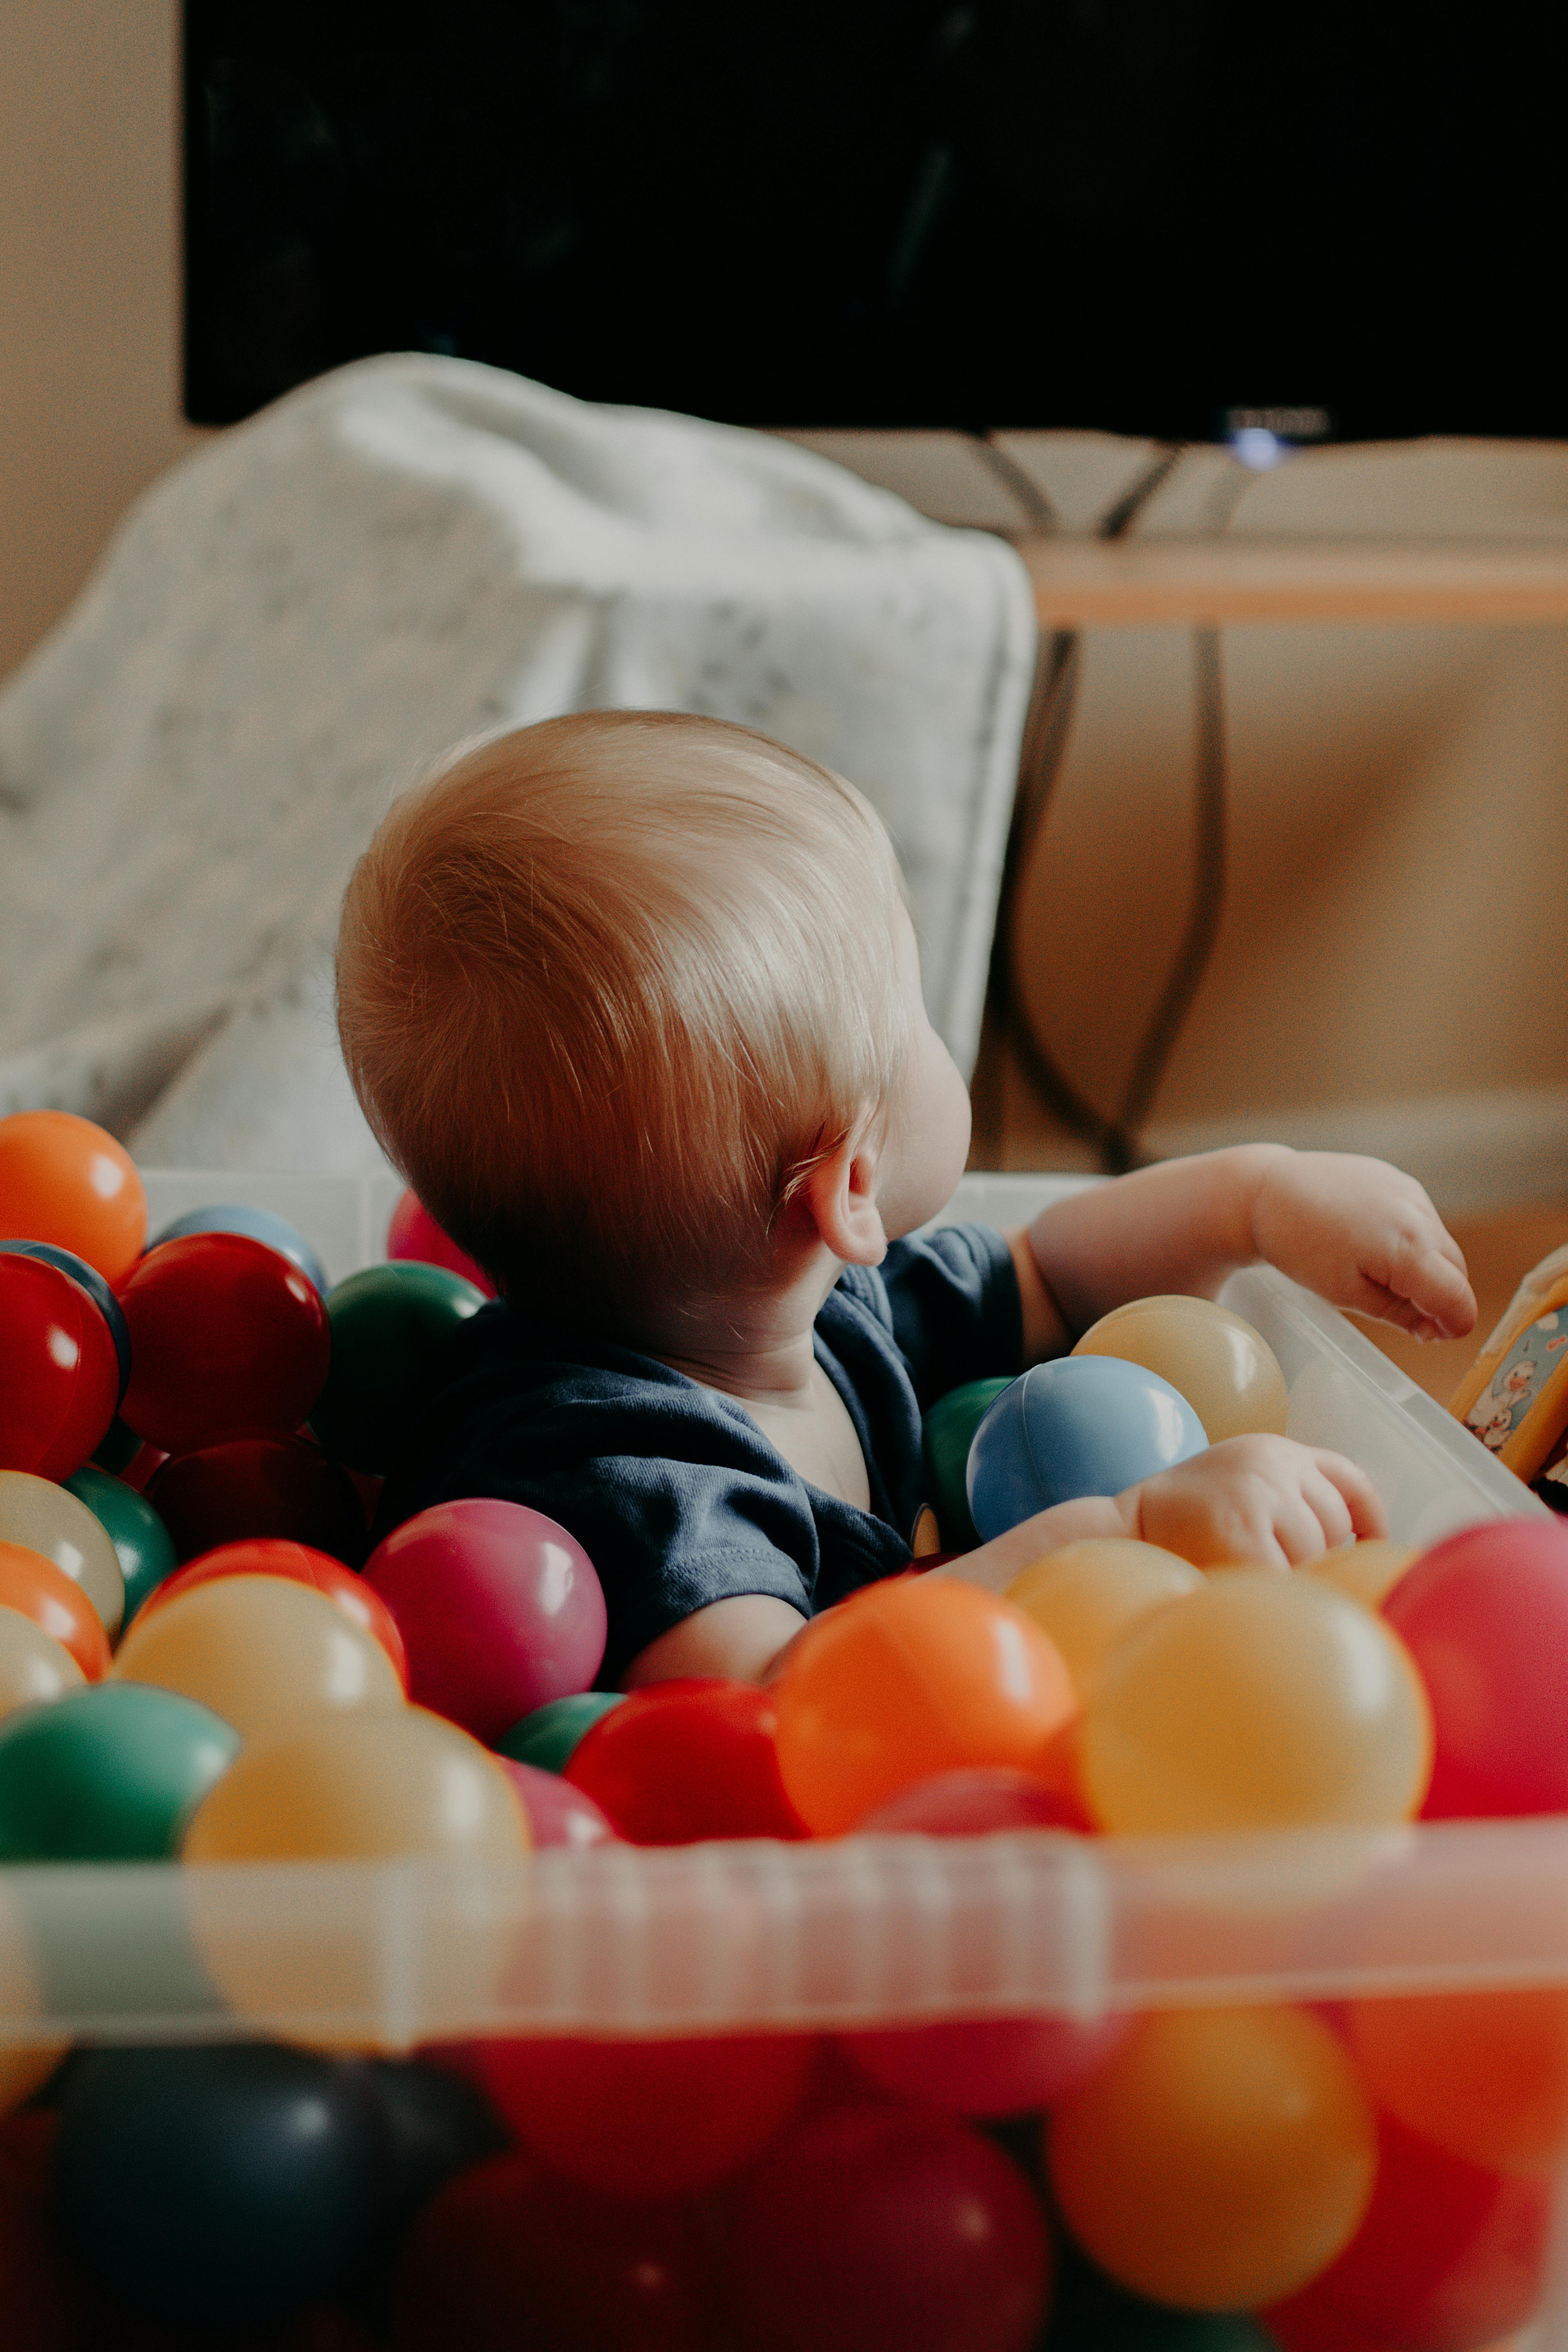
point(558, 1813)
point(991, 2066)
point(415, 1234)
point(498, 1608)
point(1485, 1617)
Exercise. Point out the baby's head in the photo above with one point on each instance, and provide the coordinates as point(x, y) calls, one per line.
point(609, 986)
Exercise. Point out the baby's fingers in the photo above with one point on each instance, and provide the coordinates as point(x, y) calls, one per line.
point(1342, 1497)
point(1426, 1287)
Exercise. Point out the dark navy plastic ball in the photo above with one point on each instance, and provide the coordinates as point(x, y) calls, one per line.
point(221, 2186)
point(1082, 1425)
point(258, 1224)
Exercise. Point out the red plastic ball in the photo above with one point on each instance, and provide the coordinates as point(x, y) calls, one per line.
point(59, 1372)
point(644, 2118)
point(1449, 2258)
point(878, 2227)
point(40, 2295)
point(415, 1234)
point(558, 1814)
point(297, 1564)
point(986, 2065)
point(227, 1336)
point(1485, 1617)
point(247, 1487)
point(498, 1608)
point(687, 1759)
point(65, 1180)
point(508, 2256)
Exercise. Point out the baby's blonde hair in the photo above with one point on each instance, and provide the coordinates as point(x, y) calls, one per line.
point(607, 987)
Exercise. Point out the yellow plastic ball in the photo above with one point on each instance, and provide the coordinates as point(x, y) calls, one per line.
point(1227, 1371)
point(51, 1519)
point(34, 1666)
point(255, 1648)
point(1367, 1571)
point(353, 1786)
point(1220, 2159)
point(1260, 1702)
point(1088, 1594)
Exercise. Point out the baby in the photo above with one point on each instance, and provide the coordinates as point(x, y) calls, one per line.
point(633, 1000)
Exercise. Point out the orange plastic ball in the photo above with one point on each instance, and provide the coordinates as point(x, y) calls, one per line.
point(1219, 2159)
point(1484, 2074)
point(65, 1180)
point(36, 1587)
point(1265, 1701)
point(1227, 1371)
point(918, 1675)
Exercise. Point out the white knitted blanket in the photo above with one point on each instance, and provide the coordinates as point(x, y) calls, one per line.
point(299, 616)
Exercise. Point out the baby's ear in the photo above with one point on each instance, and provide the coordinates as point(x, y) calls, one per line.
point(839, 1196)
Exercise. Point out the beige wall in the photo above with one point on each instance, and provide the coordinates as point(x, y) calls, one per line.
point(90, 288)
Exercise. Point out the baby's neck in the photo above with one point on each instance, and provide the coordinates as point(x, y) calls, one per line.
point(757, 1348)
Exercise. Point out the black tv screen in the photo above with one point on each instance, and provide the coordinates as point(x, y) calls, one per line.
point(1137, 215)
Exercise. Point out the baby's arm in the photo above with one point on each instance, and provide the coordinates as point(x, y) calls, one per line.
point(742, 1636)
point(1356, 1231)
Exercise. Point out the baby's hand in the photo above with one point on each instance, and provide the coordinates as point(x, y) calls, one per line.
point(1254, 1499)
point(1363, 1236)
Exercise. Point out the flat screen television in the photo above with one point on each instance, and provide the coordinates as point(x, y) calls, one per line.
point(1144, 216)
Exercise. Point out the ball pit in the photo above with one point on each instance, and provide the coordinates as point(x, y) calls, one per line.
point(585, 2145)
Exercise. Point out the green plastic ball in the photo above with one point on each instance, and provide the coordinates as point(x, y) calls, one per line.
point(118, 1448)
point(546, 1737)
point(143, 1544)
point(107, 1774)
point(946, 1435)
point(389, 1324)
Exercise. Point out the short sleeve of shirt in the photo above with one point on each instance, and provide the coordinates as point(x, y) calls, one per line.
point(673, 1491)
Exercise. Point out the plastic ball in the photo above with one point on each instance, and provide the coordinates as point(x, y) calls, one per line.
point(413, 1233)
point(1449, 2258)
point(646, 2118)
point(1080, 1425)
point(140, 1540)
point(975, 1803)
point(389, 1324)
point(33, 1668)
point(1485, 1617)
point(558, 1814)
point(683, 1761)
point(1261, 1702)
point(88, 1280)
point(36, 1588)
point(65, 1180)
point(59, 1371)
point(509, 2255)
point(110, 1774)
point(59, 1524)
point(260, 1224)
point(1368, 1571)
point(909, 1678)
point(887, 2229)
point(1219, 2159)
point(256, 1647)
point(246, 1488)
point(298, 1564)
point(353, 1785)
point(1227, 1372)
point(498, 1608)
point(946, 1434)
point(44, 2295)
point(1484, 2074)
point(548, 1736)
point(219, 2186)
point(118, 1447)
point(357, 1785)
point(226, 1337)
point(1086, 1596)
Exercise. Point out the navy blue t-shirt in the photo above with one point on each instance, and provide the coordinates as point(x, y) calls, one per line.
point(673, 1491)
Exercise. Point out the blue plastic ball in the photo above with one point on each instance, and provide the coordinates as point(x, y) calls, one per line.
point(221, 2186)
point(1080, 1425)
point(258, 1225)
